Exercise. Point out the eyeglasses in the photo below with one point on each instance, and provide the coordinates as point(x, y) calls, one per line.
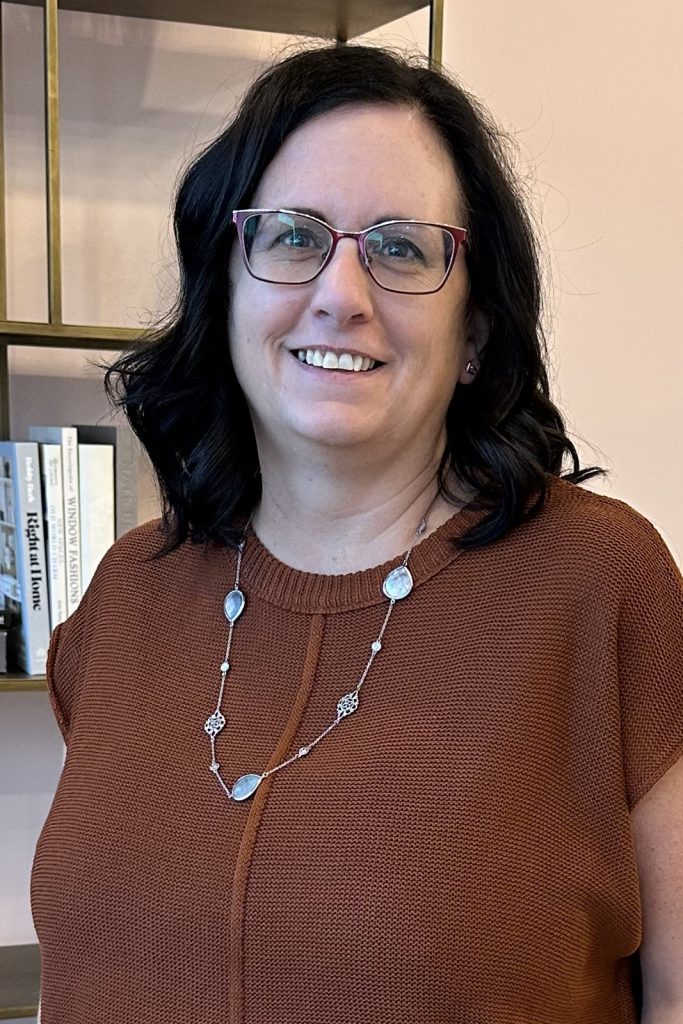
point(287, 247)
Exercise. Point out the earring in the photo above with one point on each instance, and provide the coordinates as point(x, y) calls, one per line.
point(472, 369)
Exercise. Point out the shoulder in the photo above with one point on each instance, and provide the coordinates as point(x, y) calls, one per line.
point(138, 546)
point(587, 546)
point(606, 529)
point(134, 581)
point(137, 558)
point(596, 513)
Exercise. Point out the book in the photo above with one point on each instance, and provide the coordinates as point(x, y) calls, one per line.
point(53, 511)
point(24, 575)
point(5, 623)
point(126, 469)
point(68, 439)
point(96, 493)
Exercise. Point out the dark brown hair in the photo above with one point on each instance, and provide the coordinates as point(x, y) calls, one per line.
point(179, 389)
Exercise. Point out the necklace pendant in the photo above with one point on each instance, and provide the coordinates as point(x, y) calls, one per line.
point(245, 786)
point(347, 705)
point(214, 724)
point(233, 606)
point(398, 583)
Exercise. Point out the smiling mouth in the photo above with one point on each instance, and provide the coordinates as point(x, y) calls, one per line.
point(344, 361)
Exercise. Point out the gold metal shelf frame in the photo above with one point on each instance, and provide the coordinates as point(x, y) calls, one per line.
point(336, 19)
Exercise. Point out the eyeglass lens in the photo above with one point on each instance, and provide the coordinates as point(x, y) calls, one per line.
point(403, 256)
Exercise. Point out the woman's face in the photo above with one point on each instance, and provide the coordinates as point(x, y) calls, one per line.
point(355, 166)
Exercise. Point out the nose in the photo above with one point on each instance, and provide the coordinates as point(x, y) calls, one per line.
point(344, 289)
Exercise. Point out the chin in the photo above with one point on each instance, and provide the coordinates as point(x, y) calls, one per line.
point(344, 431)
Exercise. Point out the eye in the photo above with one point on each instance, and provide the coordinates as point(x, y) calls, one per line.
point(393, 247)
point(301, 238)
point(296, 239)
point(401, 248)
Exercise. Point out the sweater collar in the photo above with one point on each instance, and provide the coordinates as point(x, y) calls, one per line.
point(314, 593)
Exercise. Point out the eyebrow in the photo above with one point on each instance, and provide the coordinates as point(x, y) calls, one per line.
point(321, 216)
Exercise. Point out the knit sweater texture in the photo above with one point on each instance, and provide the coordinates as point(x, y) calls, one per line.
point(457, 851)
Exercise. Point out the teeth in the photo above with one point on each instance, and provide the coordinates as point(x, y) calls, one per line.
point(332, 361)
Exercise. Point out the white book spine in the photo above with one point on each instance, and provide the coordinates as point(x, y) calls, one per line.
point(53, 499)
point(68, 438)
point(126, 456)
point(96, 471)
point(72, 519)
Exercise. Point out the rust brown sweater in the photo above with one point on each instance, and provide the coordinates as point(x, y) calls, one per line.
point(456, 852)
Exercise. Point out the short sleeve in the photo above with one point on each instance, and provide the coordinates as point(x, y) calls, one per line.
point(73, 640)
point(63, 662)
point(650, 658)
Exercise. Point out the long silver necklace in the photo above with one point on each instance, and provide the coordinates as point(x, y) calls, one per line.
point(397, 585)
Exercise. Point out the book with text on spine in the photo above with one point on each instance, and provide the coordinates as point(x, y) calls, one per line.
point(96, 474)
point(67, 438)
point(24, 574)
point(127, 457)
point(53, 509)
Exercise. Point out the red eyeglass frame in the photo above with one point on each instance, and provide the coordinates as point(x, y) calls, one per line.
point(459, 236)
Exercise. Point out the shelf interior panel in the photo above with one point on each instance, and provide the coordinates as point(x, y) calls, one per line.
point(341, 19)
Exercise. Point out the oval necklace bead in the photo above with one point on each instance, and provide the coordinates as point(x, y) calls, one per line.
point(245, 786)
point(398, 584)
point(233, 606)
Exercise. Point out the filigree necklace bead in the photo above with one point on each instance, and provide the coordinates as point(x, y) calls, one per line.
point(347, 705)
point(214, 723)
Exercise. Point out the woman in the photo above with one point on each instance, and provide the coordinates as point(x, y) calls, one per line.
point(349, 411)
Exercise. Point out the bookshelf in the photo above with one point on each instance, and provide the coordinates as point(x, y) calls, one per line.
point(19, 981)
point(325, 18)
point(19, 682)
point(330, 19)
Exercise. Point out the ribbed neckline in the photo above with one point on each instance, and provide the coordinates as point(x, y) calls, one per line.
point(315, 593)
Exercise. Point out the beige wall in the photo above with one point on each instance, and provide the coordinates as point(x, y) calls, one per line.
point(591, 91)
point(593, 94)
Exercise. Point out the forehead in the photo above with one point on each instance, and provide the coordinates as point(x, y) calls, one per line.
point(360, 162)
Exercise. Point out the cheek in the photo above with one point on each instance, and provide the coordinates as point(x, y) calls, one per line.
point(244, 323)
point(438, 333)
point(453, 325)
point(262, 314)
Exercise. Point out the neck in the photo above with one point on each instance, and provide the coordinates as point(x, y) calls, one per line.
point(331, 515)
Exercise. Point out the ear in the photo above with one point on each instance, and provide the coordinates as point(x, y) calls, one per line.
point(479, 326)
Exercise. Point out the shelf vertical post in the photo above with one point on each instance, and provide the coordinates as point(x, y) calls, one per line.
point(54, 240)
point(3, 221)
point(436, 32)
point(4, 368)
point(4, 393)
